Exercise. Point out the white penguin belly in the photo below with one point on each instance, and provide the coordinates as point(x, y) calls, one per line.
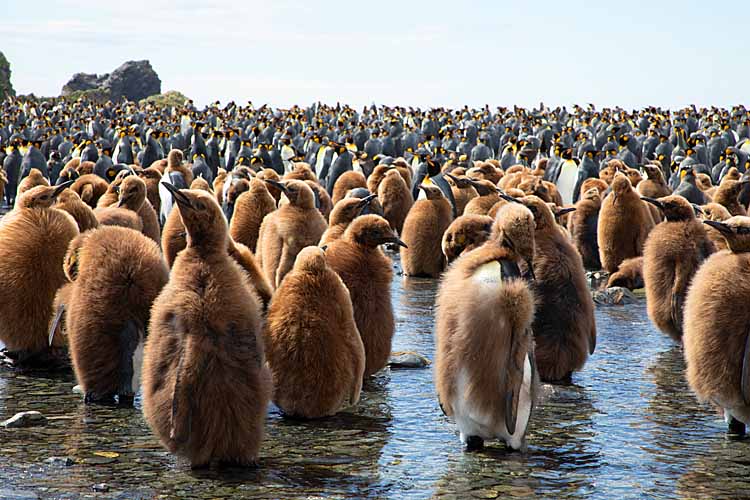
point(566, 183)
point(515, 440)
point(137, 363)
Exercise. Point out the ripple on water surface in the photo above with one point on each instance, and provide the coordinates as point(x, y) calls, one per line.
point(627, 428)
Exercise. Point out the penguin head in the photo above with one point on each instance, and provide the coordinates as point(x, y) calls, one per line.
point(201, 214)
point(592, 194)
point(543, 216)
point(174, 159)
point(460, 182)
point(620, 184)
point(372, 231)
point(674, 207)
point(297, 192)
point(736, 232)
point(348, 209)
point(41, 196)
point(483, 187)
point(653, 173)
point(431, 191)
point(514, 228)
point(132, 193)
point(311, 259)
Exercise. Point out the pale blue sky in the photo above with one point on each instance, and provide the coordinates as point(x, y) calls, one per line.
point(631, 53)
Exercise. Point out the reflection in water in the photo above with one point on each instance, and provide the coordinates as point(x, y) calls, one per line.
point(627, 427)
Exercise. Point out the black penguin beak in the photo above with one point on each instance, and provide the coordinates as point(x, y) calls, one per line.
point(396, 241)
point(654, 202)
point(178, 196)
point(566, 210)
point(324, 248)
point(277, 185)
point(697, 209)
point(121, 201)
point(719, 226)
point(507, 197)
point(366, 201)
point(529, 275)
point(228, 211)
point(62, 187)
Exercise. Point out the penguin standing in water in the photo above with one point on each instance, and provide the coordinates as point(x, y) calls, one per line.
point(564, 326)
point(204, 362)
point(119, 274)
point(313, 339)
point(485, 373)
point(423, 229)
point(674, 251)
point(582, 226)
point(367, 273)
point(715, 337)
point(33, 240)
point(568, 178)
point(624, 224)
point(285, 232)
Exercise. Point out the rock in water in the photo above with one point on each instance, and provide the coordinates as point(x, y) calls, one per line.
point(25, 419)
point(614, 296)
point(133, 80)
point(408, 359)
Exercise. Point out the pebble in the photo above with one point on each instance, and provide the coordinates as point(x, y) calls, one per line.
point(25, 419)
point(64, 461)
point(615, 296)
point(101, 487)
point(408, 359)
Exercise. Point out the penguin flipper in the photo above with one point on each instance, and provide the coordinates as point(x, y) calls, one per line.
point(181, 417)
point(128, 338)
point(57, 321)
point(745, 379)
point(514, 380)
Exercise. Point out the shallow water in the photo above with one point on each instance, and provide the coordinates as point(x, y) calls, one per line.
point(627, 428)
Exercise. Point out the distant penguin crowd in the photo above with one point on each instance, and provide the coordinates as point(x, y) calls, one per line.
point(216, 260)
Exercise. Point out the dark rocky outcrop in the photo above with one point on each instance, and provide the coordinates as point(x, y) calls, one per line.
point(133, 80)
point(6, 88)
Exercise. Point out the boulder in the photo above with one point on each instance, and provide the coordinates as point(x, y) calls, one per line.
point(408, 359)
point(25, 419)
point(6, 88)
point(133, 80)
point(614, 296)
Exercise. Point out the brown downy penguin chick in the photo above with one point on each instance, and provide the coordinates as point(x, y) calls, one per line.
point(313, 348)
point(34, 179)
point(377, 175)
point(396, 198)
point(173, 236)
point(249, 210)
point(703, 181)
point(236, 188)
point(112, 195)
point(270, 174)
point(562, 216)
point(582, 227)
point(716, 324)
point(86, 168)
point(201, 184)
point(610, 169)
point(247, 261)
point(175, 164)
point(510, 193)
point(218, 187)
point(90, 187)
point(70, 202)
point(152, 178)
point(345, 183)
point(486, 171)
point(488, 196)
point(463, 191)
point(301, 172)
point(342, 215)
point(464, 234)
point(423, 229)
point(564, 325)
point(485, 372)
point(33, 240)
point(133, 197)
point(727, 194)
point(634, 176)
point(654, 186)
point(674, 251)
point(624, 224)
point(120, 273)
point(322, 199)
point(536, 186)
point(403, 169)
point(114, 216)
point(203, 362)
point(718, 213)
point(593, 182)
point(367, 273)
point(629, 275)
point(295, 225)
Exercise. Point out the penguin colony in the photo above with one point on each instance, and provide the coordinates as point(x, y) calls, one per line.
point(219, 268)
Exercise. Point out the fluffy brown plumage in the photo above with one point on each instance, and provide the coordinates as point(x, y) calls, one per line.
point(463, 191)
point(346, 182)
point(205, 384)
point(464, 234)
point(716, 324)
point(396, 198)
point(120, 272)
point(250, 209)
point(719, 213)
point(33, 240)
point(70, 202)
point(629, 275)
point(423, 230)
point(564, 325)
point(283, 233)
point(488, 196)
point(654, 186)
point(674, 251)
point(484, 360)
point(344, 212)
point(34, 179)
point(90, 187)
point(726, 195)
point(323, 199)
point(133, 197)
point(313, 347)
point(624, 224)
point(582, 226)
point(367, 273)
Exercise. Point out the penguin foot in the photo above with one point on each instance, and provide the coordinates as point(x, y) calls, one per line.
point(735, 429)
point(50, 360)
point(125, 400)
point(99, 399)
point(474, 443)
